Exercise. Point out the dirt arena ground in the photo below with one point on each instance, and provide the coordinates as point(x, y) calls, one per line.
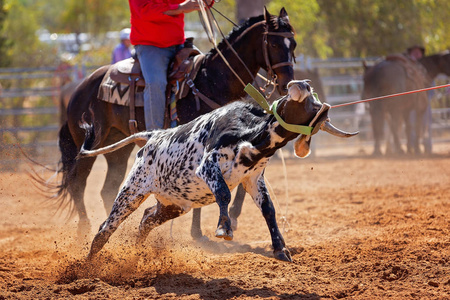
point(357, 228)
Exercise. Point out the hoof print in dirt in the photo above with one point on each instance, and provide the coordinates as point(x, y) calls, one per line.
point(394, 273)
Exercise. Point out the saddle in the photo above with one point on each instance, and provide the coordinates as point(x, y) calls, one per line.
point(414, 70)
point(183, 67)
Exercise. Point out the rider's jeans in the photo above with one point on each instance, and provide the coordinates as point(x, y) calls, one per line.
point(154, 63)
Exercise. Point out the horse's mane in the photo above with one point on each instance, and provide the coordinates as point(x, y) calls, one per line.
point(238, 30)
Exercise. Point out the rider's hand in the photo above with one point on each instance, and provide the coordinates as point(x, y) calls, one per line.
point(188, 6)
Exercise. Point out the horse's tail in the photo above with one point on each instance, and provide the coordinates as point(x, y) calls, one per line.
point(60, 191)
point(90, 141)
point(62, 109)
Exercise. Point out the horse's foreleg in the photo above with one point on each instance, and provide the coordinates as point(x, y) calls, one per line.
point(377, 117)
point(196, 228)
point(117, 167)
point(420, 127)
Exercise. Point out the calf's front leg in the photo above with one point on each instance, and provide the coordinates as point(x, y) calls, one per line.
point(209, 171)
point(256, 187)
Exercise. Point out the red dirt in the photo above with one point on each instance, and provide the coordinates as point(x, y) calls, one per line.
point(357, 228)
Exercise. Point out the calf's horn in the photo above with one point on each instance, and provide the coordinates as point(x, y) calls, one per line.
point(328, 127)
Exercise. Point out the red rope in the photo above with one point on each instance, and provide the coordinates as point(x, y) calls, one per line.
point(393, 95)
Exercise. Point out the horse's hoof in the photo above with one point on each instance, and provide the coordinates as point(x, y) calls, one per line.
point(377, 153)
point(234, 224)
point(202, 239)
point(283, 255)
point(196, 234)
point(224, 234)
point(83, 231)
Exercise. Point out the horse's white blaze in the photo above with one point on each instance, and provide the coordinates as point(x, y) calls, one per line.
point(287, 42)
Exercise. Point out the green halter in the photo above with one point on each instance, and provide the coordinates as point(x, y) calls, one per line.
point(255, 94)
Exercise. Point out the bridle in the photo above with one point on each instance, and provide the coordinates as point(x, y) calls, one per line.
point(270, 67)
point(208, 18)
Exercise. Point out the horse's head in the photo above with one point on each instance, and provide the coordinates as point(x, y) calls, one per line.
point(279, 48)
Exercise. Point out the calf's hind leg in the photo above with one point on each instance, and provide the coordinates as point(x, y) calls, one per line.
point(155, 216)
point(126, 202)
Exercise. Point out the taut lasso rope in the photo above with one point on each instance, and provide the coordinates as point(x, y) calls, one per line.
point(392, 95)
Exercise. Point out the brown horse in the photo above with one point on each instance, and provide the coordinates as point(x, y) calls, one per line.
point(394, 75)
point(215, 80)
point(66, 93)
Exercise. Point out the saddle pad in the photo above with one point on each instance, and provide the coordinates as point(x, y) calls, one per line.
point(118, 93)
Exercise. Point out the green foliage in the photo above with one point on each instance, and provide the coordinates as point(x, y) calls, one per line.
point(324, 28)
point(4, 60)
point(304, 17)
point(21, 45)
point(93, 16)
point(360, 28)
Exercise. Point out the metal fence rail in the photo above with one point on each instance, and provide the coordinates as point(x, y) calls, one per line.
point(341, 78)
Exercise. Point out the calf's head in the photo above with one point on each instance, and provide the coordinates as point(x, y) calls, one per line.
point(303, 108)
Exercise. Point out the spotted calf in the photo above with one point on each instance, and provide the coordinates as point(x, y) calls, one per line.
point(198, 163)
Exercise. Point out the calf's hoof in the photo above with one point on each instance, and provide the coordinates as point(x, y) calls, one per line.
point(283, 255)
point(224, 234)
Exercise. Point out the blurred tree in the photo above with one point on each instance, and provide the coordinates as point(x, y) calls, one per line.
point(324, 28)
point(22, 46)
point(377, 27)
point(4, 59)
point(304, 17)
point(92, 16)
point(350, 28)
point(246, 9)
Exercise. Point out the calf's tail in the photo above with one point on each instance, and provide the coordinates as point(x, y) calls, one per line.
point(89, 142)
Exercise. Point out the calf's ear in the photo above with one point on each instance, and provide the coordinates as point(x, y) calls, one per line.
point(302, 146)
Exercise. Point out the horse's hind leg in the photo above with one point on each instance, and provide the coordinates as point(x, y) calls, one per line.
point(235, 212)
point(236, 207)
point(77, 187)
point(395, 125)
point(155, 216)
point(117, 167)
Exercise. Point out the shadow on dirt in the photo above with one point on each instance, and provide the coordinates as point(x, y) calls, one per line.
point(221, 288)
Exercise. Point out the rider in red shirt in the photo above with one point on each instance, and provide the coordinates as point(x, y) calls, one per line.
point(157, 31)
